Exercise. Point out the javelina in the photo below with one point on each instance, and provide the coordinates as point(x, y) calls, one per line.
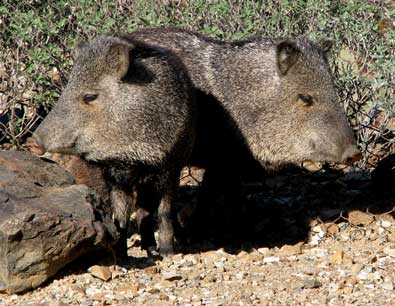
point(271, 100)
point(129, 108)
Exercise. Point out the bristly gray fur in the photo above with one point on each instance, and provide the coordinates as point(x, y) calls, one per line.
point(130, 109)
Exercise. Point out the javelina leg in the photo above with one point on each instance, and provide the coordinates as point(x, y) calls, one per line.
point(146, 227)
point(147, 200)
point(219, 205)
point(166, 233)
point(121, 204)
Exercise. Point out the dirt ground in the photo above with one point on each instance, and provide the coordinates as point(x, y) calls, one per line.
point(318, 237)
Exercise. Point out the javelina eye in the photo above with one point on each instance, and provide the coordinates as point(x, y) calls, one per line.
point(89, 98)
point(307, 100)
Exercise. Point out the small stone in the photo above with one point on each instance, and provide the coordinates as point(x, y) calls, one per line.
point(387, 286)
point(128, 288)
point(337, 258)
point(56, 303)
point(347, 260)
point(356, 268)
point(99, 296)
point(101, 272)
point(163, 284)
point(317, 229)
point(92, 291)
point(389, 252)
point(295, 249)
point(271, 259)
point(386, 224)
point(164, 297)
point(363, 275)
point(244, 253)
point(240, 275)
point(265, 251)
point(357, 217)
point(332, 228)
point(152, 290)
point(172, 276)
point(311, 283)
point(152, 270)
point(210, 257)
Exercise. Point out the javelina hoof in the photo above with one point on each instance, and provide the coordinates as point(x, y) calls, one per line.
point(121, 248)
point(152, 252)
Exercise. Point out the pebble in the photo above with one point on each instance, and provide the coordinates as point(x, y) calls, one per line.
point(357, 217)
point(389, 251)
point(386, 224)
point(291, 249)
point(337, 258)
point(387, 286)
point(311, 283)
point(101, 272)
point(271, 259)
point(152, 270)
point(172, 276)
point(356, 268)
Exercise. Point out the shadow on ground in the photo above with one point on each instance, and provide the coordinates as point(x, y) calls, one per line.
point(279, 208)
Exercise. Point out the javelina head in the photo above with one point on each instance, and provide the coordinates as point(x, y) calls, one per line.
point(305, 108)
point(119, 103)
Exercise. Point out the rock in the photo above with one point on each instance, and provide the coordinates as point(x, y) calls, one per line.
point(163, 284)
point(385, 223)
point(133, 288)
point(45, 221)
point(271, 259)
point(101, 272)
point(295, 249)
point(311, 283)
point(356, 268)
point(332, 228)
point(265, 252)
point(357, 217)
point(387, 286)
point(152, 270)
point(347, 260)
point(172, 276)
point(389, 252)
point(210, 257)
point(337, 258)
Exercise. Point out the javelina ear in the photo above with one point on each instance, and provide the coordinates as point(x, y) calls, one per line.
point(118, 58)
point(287, 55)
point(326, 44)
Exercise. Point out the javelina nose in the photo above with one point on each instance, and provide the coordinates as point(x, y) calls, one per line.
point(34, 146)
point(351, 155)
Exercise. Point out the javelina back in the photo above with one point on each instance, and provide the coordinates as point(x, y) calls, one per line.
point(270, 100)
point(128, 108)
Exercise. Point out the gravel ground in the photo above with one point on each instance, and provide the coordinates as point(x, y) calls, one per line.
point(345, 257)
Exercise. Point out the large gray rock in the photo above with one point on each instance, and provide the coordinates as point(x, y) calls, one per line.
point(46, 221)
